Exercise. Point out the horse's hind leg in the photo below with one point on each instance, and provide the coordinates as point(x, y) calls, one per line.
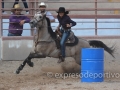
point(28, 61)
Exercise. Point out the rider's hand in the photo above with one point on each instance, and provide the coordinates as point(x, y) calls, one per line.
point(22, 22)
point(68, 25)
point(58, 28)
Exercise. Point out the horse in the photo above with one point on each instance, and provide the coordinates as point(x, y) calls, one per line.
point(45, 45)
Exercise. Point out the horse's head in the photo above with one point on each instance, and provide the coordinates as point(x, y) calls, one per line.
point(37, 20)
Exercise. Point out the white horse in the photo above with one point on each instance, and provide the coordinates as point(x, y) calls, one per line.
point(45, 46)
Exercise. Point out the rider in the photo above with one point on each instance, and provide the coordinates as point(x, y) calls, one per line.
point(65, 24)
point(42, 6)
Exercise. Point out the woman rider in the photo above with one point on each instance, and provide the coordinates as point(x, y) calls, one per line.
point(65, 24)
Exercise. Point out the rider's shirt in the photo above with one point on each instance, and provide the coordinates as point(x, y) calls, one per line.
point(65, 20)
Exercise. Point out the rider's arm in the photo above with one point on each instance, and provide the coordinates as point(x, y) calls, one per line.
point(72, 23)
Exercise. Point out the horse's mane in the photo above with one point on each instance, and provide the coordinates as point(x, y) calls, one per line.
point(52, 34)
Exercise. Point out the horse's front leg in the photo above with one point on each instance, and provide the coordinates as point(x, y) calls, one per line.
point(28, 61)
point(34, 55)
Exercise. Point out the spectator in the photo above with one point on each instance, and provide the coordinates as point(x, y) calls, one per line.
point(24, 2)
point(17, 21)
point(42, 6)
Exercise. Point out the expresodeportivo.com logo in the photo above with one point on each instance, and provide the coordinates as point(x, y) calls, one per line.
point(83, 75)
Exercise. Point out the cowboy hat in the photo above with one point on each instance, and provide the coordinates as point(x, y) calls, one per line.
point(16, 6)
point(62, 10)
point(42, 4)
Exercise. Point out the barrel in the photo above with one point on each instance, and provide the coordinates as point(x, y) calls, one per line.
point(92, 65)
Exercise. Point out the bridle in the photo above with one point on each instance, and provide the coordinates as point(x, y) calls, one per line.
point(38, 21)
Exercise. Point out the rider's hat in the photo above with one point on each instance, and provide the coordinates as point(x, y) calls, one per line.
point(62, 10)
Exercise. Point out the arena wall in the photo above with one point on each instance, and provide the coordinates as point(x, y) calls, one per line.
point(20, 49)
point(16, 49)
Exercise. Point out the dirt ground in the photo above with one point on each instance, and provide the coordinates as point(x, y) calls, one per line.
point(42, 76)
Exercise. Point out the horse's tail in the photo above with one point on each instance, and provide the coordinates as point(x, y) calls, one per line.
point(100, 44)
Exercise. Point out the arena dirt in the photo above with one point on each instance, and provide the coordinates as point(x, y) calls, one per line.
point(42, 76)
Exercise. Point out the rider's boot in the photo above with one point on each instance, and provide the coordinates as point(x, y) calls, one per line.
point(61, 59)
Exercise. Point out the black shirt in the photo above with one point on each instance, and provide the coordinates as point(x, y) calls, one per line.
point(65, 20)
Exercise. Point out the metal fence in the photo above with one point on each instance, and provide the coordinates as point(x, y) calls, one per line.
point(86, 11)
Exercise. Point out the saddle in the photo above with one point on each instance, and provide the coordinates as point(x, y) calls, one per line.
point(71, 41)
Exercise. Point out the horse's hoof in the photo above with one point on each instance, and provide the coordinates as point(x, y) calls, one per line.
point(31, 64)
point(17, 71)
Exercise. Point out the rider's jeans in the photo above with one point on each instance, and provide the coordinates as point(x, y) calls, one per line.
point(64, 38)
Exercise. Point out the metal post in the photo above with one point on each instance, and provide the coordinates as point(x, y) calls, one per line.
point(95, 17)
point(31, 5)
point(0, 18)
